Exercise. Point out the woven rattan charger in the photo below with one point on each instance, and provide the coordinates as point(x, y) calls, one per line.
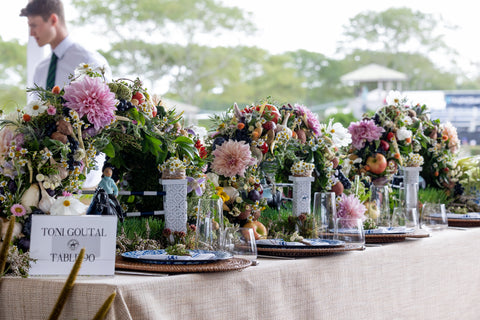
point(306, 252)
point(218, 266)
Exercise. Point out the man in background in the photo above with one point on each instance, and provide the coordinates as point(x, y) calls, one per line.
point(46, 20)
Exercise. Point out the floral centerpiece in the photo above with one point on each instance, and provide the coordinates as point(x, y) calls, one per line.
point(392, 137)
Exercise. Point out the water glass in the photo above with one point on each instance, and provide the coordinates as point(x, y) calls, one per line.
point(379, 207)
point(351, 231)
point(240, 242)
point(434, 217)
point(325, 214)
point(411, 218)
point(209, 224)
point(399, 217)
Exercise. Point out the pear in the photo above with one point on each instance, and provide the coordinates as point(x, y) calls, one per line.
point(46, 201)
point(30, 197)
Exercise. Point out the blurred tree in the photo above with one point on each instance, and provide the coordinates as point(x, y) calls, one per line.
point(166, 40)
point(396, 30)
point(13, 75)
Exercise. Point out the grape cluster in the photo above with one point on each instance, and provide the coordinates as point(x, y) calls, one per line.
point(50, 128)
point(217, 142)
point(124, 105)
point(73, 147)
point(458, 189)
point(242, 135)
point(344, 180)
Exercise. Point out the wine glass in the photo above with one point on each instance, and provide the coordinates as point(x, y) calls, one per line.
point(240, 242)
point(325, 214)
point(209, 224)
point(434, 217)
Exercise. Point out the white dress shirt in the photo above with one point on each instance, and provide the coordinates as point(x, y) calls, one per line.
point(70, 55)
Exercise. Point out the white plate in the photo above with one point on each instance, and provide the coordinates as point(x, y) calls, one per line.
point(314, 243)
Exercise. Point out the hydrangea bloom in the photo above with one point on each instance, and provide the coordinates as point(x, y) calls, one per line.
point(91, 97)
point(232, 158)
point(362, 131)
point(311, 118)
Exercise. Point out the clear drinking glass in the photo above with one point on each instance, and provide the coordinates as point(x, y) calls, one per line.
point(240, 242)
point(351, 231)
point(209, 224)
point(325, 214)
point(434, 217)
point(399, 217)
point(379, 208)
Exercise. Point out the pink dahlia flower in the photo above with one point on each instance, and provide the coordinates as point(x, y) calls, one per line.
point(350, 207)
point(362, 131)
point(91, 97)
point(310, 117)
point(232, 158)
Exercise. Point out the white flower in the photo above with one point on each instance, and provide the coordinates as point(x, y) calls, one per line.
point(341, 137)
point(394, 97)
point(403, 133)
point(84, 69)
point(213, 178)
point(348, 164)
point(34, 108)
point(40, 177)
point(68, 206)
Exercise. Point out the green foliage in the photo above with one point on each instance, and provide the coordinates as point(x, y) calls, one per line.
point(434, 195)
point(145, 228)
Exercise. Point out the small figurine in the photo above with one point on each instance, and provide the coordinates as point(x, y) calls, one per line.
point(107, 182)
point(105, 201)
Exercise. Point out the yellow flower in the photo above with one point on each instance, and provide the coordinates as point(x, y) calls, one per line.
point(222, 194)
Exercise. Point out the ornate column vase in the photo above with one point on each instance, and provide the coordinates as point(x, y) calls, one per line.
point(175, 204)
point(301, 194)
point(411, 177)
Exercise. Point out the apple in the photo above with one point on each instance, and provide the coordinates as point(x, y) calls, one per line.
point(377, 164)
point(269, 125)
point(384, 145)
point(139, 96)
point(259, 230)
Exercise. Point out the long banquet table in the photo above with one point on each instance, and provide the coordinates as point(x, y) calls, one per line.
point(429, 278)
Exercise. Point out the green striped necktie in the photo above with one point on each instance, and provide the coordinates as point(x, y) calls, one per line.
point(52, 69)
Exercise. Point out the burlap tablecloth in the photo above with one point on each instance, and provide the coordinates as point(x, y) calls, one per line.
point(431, 278)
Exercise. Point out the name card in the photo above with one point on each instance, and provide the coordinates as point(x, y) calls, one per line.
point(56, 242)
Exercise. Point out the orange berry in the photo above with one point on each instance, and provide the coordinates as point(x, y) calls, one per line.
point(444, 137)
point(56, 90)
point(436, 173)
point(240, 126)
point(26, 117)
point(396, 155)
point(367, 167)
point(408, 140)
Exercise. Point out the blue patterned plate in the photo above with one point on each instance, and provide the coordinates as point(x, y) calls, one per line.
point(307, 244)
point(161, 257)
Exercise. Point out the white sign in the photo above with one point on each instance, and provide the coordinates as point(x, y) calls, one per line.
point(56, 242)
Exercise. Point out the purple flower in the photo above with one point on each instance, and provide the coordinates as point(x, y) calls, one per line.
point(310, 118)
point(195, 185)
point(91, 97)
point(362, 131)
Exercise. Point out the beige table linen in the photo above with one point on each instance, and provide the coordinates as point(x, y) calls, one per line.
point(431, 278)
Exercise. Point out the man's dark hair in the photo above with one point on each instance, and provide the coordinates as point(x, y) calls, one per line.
point(44, 8)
